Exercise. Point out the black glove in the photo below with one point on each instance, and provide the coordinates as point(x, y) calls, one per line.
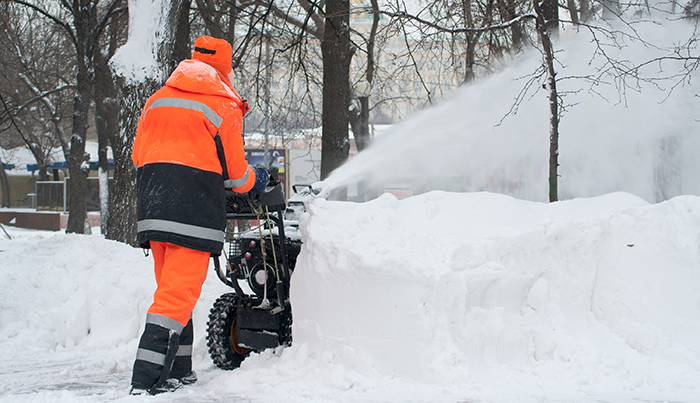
point(261, 180)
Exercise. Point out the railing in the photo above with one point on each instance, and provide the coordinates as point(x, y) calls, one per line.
point(53, 195)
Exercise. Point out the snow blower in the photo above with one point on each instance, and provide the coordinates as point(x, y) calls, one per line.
point(260, 259)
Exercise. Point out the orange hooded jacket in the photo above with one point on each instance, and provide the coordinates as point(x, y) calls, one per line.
point(180, 122)
point(188, 147)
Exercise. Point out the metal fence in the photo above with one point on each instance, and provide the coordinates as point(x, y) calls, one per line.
point(53, 196)
point(50, 196)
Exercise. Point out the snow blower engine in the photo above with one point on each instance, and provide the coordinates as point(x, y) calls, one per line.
point(259, 263)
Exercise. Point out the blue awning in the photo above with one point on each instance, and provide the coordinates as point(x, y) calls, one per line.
point(94, 165)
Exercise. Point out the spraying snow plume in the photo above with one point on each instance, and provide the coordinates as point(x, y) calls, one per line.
point(610, 137)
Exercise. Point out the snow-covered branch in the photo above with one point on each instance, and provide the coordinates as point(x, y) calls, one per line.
point(402, 15)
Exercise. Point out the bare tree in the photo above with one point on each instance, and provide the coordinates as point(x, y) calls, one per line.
point(545, 30)
point(359, 117)
point(4, 185)
point(35, 78)
point(546, 21)
point(107, 111)
point(294, 27)
point(622, 73)
point(83, 24)
point(337, 54)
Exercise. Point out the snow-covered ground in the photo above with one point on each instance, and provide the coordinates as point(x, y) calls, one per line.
point(442, 297)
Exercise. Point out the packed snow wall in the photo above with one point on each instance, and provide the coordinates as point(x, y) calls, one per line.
point(445, 286)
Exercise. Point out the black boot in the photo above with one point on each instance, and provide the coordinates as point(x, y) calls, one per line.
point(159, 344)
point(182, 366)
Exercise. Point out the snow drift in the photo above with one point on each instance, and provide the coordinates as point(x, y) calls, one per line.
point(589, 294)
point(444, 297)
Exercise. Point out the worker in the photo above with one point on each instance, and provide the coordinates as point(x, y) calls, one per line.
point(188, 148)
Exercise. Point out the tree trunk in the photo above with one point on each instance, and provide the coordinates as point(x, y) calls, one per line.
point(585, 10)
point(364, 101)
point(543, 31)
point(359, 123)
point(516, 30)
point(549, 10)
point(107, 111)
point(121, 225)
point(84, 22)
point(77, 159)
point(362, 138)
point(336, 54)
point(107, 122)
point(471, 42)
point(179, 48)
point(5, 186)
point(232, 17)
point(573, 11)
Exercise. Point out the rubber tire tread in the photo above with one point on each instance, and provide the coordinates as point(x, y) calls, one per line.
point(285, 335)
point(221, 317)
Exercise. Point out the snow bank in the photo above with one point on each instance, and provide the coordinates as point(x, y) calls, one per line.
point(69, 290)
point(442, 297)
point(72, 309)
point(588, 295)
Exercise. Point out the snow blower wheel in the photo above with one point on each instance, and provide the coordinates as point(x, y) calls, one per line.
point(221, 334)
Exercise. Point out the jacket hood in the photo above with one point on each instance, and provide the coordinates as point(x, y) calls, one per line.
point(201, 78)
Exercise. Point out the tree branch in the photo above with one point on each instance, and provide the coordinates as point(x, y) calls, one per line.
point(99, 28)
point(39, 97)
point(28, 142)
point(53, 18)
point(402, 15)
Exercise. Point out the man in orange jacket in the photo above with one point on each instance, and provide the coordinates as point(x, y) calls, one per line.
point(188, 148)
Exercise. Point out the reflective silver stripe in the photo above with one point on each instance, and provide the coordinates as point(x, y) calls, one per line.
point(150, 356)
point(189, 104)
point(164, 321)
point(185, 350)
point(236, 183)
point(182, 229)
